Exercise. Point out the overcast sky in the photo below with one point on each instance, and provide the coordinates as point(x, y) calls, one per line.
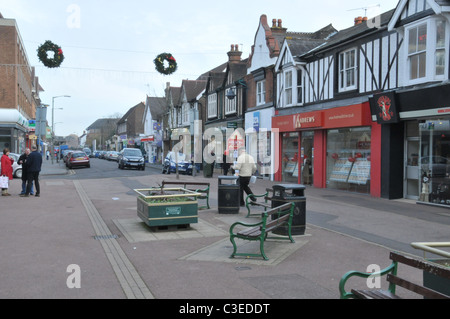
point(109, 46)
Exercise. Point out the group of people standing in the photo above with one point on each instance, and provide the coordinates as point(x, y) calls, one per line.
point(31, 161)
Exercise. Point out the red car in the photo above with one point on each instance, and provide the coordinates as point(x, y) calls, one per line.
point(77, 159)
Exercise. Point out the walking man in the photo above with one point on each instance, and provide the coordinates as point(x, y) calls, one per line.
point(33, 164)
point(247, 167)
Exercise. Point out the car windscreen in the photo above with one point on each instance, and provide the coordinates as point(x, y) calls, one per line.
point(78, 154)
point(132, 153)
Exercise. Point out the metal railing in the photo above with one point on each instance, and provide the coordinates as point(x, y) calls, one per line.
point(431, 248)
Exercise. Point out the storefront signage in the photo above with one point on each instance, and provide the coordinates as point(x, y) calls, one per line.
point(344, 116)
point(148, 139)
point(383, 106)
point(307, 120)
point(256, 121)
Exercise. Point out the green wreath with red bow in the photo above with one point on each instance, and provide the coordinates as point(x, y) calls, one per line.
point(171, 66)
point(58, 56)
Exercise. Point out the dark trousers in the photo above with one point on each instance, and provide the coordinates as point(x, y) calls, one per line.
point(244, 181)
point(33, 176)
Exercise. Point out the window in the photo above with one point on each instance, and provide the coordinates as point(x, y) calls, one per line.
point(230, 105)
point(417, 46)
point(299, 87)
point(426, 53)
point(288, 88)
point(440, 47)
point(261, 92)
point(185, 116)
point(347, 70)
point(212, 105)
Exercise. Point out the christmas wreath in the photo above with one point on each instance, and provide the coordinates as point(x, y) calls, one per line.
point(58, 56)
point(159, 63)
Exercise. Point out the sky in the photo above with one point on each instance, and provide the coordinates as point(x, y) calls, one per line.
point(109, 46)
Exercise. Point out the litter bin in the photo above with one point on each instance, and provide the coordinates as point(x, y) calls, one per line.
point(229, 195)
point(291, 193)
point(207, 169)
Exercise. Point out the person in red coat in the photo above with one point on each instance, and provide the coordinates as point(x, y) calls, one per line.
point(7, 170)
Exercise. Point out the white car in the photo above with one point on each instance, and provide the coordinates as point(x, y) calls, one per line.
point(17, 169)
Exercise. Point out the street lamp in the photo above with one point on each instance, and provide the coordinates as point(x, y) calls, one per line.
point(53, 123)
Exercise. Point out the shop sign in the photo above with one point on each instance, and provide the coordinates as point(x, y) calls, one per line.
point(148, 139)
point(307, 120)
point(256, 121)
point(383, 106)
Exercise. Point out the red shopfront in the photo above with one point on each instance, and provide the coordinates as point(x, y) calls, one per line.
point(334, 148)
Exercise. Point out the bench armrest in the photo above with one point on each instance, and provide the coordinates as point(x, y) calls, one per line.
point(243, 224)
point(346, 295)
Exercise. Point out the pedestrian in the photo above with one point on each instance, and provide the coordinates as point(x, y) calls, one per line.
point(22, 161)
point(226, 163)
point(247, 167)
point(47, 153)
point(33, 164)
point(6, 171)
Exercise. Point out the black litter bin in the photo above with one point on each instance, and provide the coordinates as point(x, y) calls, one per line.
point(291, 193)
point(229, 194)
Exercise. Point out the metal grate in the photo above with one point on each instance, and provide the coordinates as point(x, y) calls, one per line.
point(102, 237)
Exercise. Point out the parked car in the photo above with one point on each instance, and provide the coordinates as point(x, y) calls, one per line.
point(112, 155)
point(169, 166)
point(17, 169)
point(65, 154)
point(88, 151)
point(78, 158)
point(131, 158)
point(440, 166)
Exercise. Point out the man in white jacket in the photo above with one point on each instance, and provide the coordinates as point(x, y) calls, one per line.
point(247, 167)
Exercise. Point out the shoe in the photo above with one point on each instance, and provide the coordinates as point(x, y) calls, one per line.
point(6, 194)
point(37, 195)
point(24, 195)
point(253, 199)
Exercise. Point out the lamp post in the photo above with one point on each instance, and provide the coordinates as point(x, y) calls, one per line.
point(53, 123)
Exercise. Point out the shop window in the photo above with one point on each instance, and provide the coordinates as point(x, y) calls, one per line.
point(435, 161)
point(347, 70)
point(290, 157)
point(348, 159)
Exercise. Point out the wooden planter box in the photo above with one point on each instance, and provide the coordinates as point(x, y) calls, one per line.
point(167, 206)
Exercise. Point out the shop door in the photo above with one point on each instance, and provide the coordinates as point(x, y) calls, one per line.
point(411, 175)
point(307, 158)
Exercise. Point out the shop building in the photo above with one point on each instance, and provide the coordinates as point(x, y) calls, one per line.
point(415, 118)
point(326, 135)
point(19, 89)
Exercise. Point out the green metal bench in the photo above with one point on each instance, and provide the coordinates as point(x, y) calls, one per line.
point(203, 191)
point(259, 231)
point(249, 203)
point(394, 280)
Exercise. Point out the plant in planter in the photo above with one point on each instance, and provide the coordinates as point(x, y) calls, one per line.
point(167, 206)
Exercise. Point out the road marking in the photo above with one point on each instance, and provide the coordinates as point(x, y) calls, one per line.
point(131, 282)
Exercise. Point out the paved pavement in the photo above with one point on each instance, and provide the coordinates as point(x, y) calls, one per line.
point(87, 233)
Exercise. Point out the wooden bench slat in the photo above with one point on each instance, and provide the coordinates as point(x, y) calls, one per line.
point(424, 291)
point(428, 267)
point(375, 294)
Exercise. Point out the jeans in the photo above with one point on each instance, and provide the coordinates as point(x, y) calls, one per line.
point(24, 187)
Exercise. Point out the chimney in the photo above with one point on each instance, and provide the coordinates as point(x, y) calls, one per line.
point(358, 20)
point(234, 55)
point(277, 26)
